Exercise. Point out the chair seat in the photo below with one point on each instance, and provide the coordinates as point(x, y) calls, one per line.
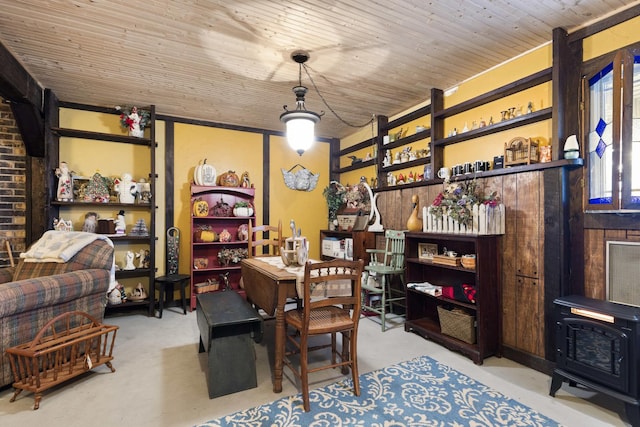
point(321, 319)
point(383, 269)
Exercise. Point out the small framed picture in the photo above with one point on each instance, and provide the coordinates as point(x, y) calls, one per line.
point(427, 250)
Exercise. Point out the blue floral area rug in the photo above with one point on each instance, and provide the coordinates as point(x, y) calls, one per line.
point(419, 392)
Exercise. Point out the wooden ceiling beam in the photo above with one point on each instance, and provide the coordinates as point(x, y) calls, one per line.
point(25, 96)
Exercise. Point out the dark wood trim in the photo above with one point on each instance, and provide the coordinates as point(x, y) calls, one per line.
point(612, 220)
point(577, 163)
point(534, 117)
point(409, 117)
point(437, 130)
point(169, 181)
point(533, 80)
point(16, 84)
point(334, 160)
point(605, 24)
point(266, 171)
point(567, 58)
point(558, 248)
point(51, 161)
point(359, 146)
point(31, 125)
point(576, 232)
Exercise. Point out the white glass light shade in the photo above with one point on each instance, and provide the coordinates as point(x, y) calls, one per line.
point(300, 129)
point(571, 148)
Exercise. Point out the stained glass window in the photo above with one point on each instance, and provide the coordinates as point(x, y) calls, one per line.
point(600, 138)
point(613, 135)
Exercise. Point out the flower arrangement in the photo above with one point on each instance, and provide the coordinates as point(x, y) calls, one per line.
point(339, 197)
point(130, 116)
point(457, 201)
point(333, 194)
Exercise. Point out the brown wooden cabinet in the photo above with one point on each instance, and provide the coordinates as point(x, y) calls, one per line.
point(422, 308)
point(216, 216)
point(523, 273)
point(362, 240)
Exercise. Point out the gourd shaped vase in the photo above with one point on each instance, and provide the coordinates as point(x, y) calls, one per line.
point(414, 223)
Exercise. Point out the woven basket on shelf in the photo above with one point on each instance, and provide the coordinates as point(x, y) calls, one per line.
point(458, 324)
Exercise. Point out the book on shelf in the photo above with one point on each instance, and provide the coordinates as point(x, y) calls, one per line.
point(426, 288)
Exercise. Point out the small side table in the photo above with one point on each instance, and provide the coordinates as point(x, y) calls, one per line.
point(166, 285)
point(227, 324)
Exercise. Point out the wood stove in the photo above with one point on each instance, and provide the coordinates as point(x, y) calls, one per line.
point(598, 346)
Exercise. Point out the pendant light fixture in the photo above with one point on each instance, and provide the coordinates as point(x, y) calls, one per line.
point(300, 123)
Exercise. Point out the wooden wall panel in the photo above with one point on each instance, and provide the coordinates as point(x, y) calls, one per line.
point(529, 319)
point(509, 308)
point(594, 249)
point(528, 224)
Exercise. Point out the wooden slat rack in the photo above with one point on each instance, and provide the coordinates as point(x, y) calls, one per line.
point(67, 346)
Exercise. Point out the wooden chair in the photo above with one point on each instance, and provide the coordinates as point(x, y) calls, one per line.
point(385, 264)
point(259, 245)
point(326, 314)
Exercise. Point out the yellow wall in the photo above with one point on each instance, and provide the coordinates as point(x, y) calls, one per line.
point(307, 209)
point(612, 39)
point(242, 151)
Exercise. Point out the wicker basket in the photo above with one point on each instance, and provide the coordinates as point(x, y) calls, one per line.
point(208, 286)
point(458, 324)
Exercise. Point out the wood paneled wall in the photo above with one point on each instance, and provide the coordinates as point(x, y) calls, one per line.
point(595, 249)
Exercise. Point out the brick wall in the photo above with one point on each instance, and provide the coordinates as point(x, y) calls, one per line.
point(12, 187)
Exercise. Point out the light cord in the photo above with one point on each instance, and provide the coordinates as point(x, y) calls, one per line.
point(306, 69)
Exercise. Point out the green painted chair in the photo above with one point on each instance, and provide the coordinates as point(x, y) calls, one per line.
point(385, 264)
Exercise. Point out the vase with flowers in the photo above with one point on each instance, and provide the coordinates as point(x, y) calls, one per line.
point(134, 120)
point(461, 203)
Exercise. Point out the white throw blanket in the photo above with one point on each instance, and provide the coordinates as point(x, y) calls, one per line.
point(61, 246)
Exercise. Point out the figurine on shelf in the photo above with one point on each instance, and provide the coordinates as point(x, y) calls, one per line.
point(245, 180)
point(129, 261)
point(62, 225)
point(65, 191)
point(126, 188)
point(144, 258)
point(391, 179)
point(143, 189)
point(387, 159)
point(121, 227)
point(90, 222)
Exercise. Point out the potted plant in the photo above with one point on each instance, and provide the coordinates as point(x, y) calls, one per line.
point(243, 209)
point(334, 195)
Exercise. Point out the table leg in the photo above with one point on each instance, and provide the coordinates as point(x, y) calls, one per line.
point(280, 333)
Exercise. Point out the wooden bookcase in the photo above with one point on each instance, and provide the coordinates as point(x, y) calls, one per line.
point(209, 250)
point(422, 309)
point(133, 211)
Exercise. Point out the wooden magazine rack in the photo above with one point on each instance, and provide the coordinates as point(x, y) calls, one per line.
point(67, 346)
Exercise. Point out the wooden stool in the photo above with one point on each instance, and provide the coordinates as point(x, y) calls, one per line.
point(166, 286)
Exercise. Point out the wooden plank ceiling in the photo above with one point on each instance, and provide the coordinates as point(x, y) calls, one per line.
point(229, 62)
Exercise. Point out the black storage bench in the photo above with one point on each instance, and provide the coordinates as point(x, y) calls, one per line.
point(228, 326)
